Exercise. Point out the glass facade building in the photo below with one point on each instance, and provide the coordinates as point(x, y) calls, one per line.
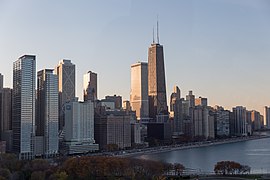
point(23, 109)
point(47, 111)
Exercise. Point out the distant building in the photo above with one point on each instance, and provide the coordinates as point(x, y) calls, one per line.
point(47, 111)
point(203, 122)
point(176, 111)
point(6, 110)
point(6, 115)
point(112, 128)
point(256, 120)
point(116, 99)
point(240, 121)
point(90, 86)
point(66, 86)
point(139, 90)
point(223, 121)
point(79, 127)
point(267, 117)
point(126, 105)
point(201, 101)
point(23, 108)
point(191, 99)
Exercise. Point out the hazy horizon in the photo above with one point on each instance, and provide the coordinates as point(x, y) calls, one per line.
point(217, 48)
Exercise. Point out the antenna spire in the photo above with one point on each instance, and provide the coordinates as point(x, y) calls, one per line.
point(157, 32)
point(153, 35)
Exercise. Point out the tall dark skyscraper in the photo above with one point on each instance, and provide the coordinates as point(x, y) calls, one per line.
point(156, 81)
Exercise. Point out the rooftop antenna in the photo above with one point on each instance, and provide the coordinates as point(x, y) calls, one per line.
point(157, 32)
point(153, 35)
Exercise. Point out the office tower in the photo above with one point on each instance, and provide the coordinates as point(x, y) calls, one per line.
point(201, 101)
point(249, 128)
point(240, 124)
point(176, 111)
point(267, 117)
point(116, 99)
point(79, 127)
point(23, 108)
point(156, 81)
point(66, 86)
point(90, 86)
point(139, 90)
point(191, 99)
point(47, 111)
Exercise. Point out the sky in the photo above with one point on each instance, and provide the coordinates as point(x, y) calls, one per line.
point(220, 49)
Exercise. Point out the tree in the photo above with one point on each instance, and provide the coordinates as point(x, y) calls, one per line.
point(230, 167)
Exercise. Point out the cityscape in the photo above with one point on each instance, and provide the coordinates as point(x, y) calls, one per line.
point(43, 117)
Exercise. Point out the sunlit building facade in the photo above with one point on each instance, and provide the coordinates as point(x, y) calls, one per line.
point(139, 90)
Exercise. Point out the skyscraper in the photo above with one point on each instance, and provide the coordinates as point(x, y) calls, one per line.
point(90, 86)
point(47, 110)
point(156, 81)
point(66, 85)
point(139, 90)
point(23, 111)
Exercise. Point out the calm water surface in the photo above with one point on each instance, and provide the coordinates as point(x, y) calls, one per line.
point(255, 153)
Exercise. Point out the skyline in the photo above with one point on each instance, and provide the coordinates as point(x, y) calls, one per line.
point(200, 39)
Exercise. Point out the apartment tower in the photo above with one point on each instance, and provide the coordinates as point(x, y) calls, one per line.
point(23, 111)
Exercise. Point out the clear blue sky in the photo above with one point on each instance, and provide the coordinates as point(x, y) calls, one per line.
point(220, 49)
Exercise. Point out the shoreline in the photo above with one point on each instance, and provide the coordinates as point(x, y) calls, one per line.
point(161, 149)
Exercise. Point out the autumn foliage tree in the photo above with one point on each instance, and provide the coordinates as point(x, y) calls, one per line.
point(230, 167)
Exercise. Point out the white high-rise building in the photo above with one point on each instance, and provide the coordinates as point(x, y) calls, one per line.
point(23, 116)
point(47, 111)
point(267, 117)
point(79, 127)
point(139, 90)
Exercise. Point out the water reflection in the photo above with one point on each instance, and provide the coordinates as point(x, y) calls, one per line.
point(254, 153)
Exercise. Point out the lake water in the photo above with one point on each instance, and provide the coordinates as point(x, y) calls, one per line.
point(254, 153)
